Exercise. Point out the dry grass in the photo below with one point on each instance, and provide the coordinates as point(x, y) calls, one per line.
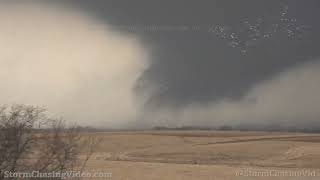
point(202, 155)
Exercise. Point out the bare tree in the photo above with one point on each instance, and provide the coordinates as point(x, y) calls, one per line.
point(30, 141)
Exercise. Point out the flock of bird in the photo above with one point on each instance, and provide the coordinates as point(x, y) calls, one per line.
point(251, 32)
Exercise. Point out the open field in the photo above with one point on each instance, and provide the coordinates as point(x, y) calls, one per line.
point(206, 155)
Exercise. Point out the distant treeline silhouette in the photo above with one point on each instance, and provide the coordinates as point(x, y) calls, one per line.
point(243, 128)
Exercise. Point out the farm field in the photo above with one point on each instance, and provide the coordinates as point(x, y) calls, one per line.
point(206, 155)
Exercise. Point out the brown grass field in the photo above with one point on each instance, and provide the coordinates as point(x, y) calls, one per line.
point(206, 155)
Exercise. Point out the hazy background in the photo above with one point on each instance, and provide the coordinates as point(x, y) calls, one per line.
point(123, 63)
point(70, 63)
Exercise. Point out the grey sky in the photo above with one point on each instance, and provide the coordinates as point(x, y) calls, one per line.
point(197, 66)
point(164, 62)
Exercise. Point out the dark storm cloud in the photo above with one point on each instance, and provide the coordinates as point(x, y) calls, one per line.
point(195, 66)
